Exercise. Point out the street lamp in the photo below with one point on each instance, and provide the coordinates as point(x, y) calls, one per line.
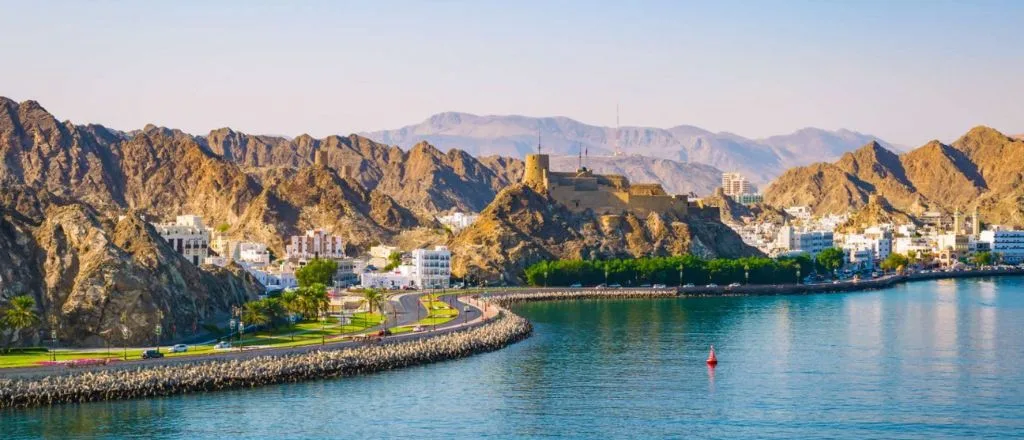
point(53, 337)
point(323, 328)
point(798, 274)
point(232, 324)
point(680, 274)
point(125, 333)
point(241, 332)
point(158, 329)
point(746, 272)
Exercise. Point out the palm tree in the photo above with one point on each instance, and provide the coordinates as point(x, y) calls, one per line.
point(256, 313)
point(372, 297)
point(292, 305)
point(20, 314)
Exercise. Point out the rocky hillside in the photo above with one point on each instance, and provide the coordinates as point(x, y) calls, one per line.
point(760, 159)
point(85, 272)
point(973, 170)
point(523, 226)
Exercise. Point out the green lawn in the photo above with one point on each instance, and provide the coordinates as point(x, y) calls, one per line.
point(32, 359)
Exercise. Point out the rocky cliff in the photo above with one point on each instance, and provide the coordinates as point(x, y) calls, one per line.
point(975, 170)
point(523, 226)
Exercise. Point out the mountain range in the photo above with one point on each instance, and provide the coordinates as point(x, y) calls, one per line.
point(761, 160)
point(983, 168)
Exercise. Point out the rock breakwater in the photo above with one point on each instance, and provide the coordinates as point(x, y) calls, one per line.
point(200, 376)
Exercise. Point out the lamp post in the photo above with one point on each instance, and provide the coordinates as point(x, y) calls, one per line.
point(746, 273)
point(798, 274)
point(680, 274)
point(232, 324)
point(606, 275)
point(125, 333)
point(323, 328)
point(158, 328)
point(241, 332)
point(53, 337)
point(545, 277)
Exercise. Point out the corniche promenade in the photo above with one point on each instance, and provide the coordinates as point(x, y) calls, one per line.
point(499, 329)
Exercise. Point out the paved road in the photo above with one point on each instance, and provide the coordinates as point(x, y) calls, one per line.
point(404, 304)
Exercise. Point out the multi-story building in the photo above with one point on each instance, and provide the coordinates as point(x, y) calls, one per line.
point(878, 242)
point(315, 244)
point(1007, 245)
point(380, 254)
point(911, 245)
point(811, 242)
point(433, 267)
point(734, 184)
point(748, 199)
point(457, 221)
point(188, 236)
point(430, 269)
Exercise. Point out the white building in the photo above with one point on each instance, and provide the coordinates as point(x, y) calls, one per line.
point(1008, 245)
point(315, 244)
point(911, 245)
point(433, 267)
point(811, 242)
point(875, 240)
point(799, 212)
point(256, 254)
point(430, 269)
point(458, 221)
point(188, 236)
point(859, 259)
point(734, 184)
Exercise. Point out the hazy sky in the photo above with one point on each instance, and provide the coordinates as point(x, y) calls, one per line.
point(907, 71)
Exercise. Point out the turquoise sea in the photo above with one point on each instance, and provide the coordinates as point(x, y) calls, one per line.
point(936, 359)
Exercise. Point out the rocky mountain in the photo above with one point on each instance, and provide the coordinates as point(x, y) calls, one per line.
point(523, 226)
point(676, 177)
point(973, 170)
point(86, 271)
point(760, 159)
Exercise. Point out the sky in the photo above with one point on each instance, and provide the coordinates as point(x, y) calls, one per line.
point(907, 71)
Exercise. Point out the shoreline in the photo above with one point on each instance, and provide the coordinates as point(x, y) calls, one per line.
point(497, 329)
point(568, 293)
point(205, 375)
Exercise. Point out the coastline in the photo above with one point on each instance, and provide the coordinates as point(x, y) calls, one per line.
point(204, 375)
point(497, 329)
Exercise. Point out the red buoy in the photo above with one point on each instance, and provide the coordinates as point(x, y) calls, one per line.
point(712, 360)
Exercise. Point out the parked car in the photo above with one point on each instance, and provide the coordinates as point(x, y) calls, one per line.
point(734, 285)
point(179, 348)
point(576, 285)
point(712, 285)
point(601, 286)
point(659, 286)
point(222, 345)
point(689, 285)
point(615, 286)
point(152, 354)
point(418, 328)
point(645, 285)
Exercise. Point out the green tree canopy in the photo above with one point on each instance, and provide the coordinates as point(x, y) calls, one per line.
point(895, 261)
point(19, 314)
point(394, 260)
point(830, 260)
point(317, 270)
point(983, 258)
point(666, 270)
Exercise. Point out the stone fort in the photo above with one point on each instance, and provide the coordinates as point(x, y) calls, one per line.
point(604, 194)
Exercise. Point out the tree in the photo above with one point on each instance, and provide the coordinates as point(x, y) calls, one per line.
point(256, 313)
point(291, 304)
point(895, 262)
point(373, 297)
point(394, 260)
point(312, 300)
point(317, 270)
point(20, 314)
point(983, 258)
point(830, 260)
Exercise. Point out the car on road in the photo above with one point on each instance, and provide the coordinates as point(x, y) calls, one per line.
point(712, 285)
point(734, 285)
point(419, 328)
point(615, 286)
point(384, 332)
point(601, 286)
point(467, 309)
point(575, 285)
point(179, 348)
point(645, 285)
point(689, 285)
point(659, 286)
point(152, 354)
point(222, 345)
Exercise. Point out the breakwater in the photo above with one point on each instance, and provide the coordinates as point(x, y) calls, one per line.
point(509, 298)
point(213, 375)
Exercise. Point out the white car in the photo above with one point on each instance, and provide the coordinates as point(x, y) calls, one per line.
point(222, 345)
point(575, 285)
point(179, 348)
point(659, 286)
point(734, 285)
point(418, 328)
